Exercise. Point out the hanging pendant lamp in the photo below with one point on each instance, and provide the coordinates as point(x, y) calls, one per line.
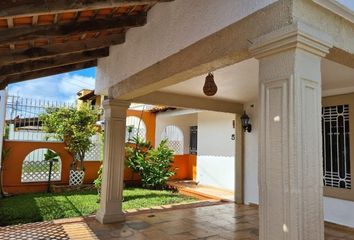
point(210, 87)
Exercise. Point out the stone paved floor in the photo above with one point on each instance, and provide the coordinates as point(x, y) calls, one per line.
point(226, 221)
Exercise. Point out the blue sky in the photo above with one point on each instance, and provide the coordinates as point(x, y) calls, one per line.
point(61, 87)
point(347, 3)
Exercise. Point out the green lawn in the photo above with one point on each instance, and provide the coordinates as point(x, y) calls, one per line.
point(41, 207)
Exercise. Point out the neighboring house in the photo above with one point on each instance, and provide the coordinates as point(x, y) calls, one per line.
point(86, 95)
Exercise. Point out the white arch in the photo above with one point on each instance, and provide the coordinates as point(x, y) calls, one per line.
point(138, 128)
point(175, 139)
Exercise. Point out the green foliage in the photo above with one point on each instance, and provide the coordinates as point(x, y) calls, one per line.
point(6, 132)
point(5, 154)
point(51, 156)
point(98, 181)
point(130, 129)
point(153, 165)
point(136, 154)
point(74, 126)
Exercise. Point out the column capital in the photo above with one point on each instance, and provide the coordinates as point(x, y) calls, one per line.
point(110, 103)
point(115, 108)
point(298, 35)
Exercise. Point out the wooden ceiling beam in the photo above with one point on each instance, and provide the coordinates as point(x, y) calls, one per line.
point(27, 33)
point(37, 7)
point(55, 50)
point(51, 62)
point(4, 81)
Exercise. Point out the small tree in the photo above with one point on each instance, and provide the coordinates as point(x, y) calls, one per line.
point(50, 157)
point(74, 126)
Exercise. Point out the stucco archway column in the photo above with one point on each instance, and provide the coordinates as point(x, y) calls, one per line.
point(115, 113)
point(290, 167)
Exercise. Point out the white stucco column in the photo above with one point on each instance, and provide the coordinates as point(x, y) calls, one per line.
point(290, 159)
point(113, 163)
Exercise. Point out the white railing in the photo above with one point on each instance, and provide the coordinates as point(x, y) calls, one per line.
point(22, 118)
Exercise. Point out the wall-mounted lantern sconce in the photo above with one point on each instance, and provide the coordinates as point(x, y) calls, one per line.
point(101, 124)
point(245, 121)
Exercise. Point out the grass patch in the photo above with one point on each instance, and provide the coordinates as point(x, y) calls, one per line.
point(42, 207)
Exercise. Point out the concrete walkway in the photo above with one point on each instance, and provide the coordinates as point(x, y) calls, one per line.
point(225, 221)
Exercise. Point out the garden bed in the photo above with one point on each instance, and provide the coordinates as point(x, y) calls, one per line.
point(42, 207)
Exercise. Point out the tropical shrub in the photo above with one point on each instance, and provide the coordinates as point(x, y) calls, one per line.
point(98, 182)
point(154, 165)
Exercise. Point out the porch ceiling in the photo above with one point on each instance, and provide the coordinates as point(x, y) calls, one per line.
point(239, 82)
point(40, 38)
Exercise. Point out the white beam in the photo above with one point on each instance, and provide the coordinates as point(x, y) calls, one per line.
point(184, 101)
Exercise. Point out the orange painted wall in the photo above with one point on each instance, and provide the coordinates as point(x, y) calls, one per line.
point(185, 164)
point(19, 150)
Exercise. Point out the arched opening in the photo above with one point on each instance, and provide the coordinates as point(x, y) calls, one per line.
point(135, 127)
point(174, 136)
point(36, 169)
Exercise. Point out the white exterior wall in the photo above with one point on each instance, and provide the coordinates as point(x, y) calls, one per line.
point(216, 150)
point(170, 27)
point(183, 119)
point(339, 211)
point(251, 157)
point(335, 210)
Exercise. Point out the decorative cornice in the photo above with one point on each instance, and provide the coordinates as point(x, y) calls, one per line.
point(297, 35)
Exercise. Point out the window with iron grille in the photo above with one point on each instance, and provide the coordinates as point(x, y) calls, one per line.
point(336, 146)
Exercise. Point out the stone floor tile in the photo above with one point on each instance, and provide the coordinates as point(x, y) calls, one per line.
point(226, 221)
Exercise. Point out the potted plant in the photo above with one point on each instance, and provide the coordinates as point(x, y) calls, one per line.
point(75, 127)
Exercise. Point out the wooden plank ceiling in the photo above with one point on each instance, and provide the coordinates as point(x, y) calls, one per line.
point(40, 38)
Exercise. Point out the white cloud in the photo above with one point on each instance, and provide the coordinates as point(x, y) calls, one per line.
point(61, 87)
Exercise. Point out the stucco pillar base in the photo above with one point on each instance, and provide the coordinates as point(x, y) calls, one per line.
point(113, 163)
point(105, 218)
point(290, 164)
